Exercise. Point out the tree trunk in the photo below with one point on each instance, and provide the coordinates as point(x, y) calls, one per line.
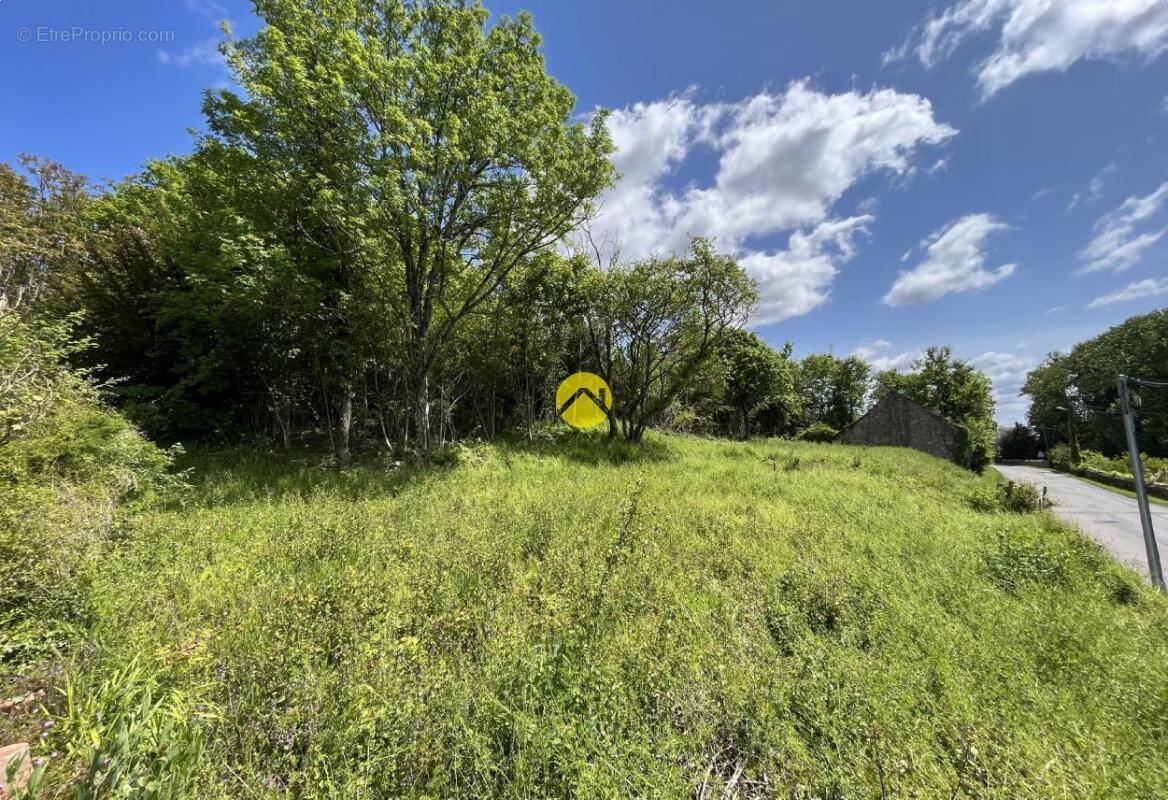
point(344, 428)
point(422, 415)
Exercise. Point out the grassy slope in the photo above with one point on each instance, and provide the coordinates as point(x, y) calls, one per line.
point(575, 619)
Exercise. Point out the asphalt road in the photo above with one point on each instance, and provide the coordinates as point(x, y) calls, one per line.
point(1110, 518)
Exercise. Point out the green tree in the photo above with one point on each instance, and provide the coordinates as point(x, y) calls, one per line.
point(41, 229)
point(655, 323)
point(833, 389)
point(1076, 391)
point(420, 139)
point(1020, 442)
point(759, 382)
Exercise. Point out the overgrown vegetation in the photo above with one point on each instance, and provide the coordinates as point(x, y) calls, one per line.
point(1074, 396)
point(545, 619)
point(68, 466)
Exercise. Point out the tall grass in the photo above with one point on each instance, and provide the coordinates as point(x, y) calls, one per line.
point(576, 618)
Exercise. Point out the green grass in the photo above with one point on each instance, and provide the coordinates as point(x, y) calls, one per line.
point(582, 619)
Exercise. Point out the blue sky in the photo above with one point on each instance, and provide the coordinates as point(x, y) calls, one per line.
point(987, 174)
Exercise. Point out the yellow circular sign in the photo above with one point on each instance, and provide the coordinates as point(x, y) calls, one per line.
point(584, 400)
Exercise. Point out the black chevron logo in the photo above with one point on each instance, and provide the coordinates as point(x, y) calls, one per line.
point(584, 391)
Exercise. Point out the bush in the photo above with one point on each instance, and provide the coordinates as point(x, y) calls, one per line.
point(65, 467)
point(1060, 456)
point(1155, 469)
point(819, 432)
point(1017, 498)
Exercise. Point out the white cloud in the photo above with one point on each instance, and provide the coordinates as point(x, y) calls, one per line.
point(901, 362)
point(1095, 189)
point(1008, 373)
point(868, 351)
point(1040, 35)
point(209, 8)
point(1119, 242)
point(1133, 291)
point(954, 262)
point(782, 162)
point(798, 280)
point(204, 53)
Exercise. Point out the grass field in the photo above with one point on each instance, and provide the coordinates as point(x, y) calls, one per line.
point(576, 618)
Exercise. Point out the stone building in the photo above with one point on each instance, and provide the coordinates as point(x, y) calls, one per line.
point(897, 421)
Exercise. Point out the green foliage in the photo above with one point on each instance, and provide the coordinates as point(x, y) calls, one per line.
point(1155, 469)
point(130, 735)
point(1084, 381)
point(833, 390)
point(819, 432)
point(545, 619)
point(1060, 456)
point(41, 231)
point(760, 384)
point(653, 325)
point(1020, 443)
point(66, 467)
point(1017, 498)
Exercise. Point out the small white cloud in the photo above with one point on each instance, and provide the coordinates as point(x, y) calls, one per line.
point(868, 351)
point(1094, 189)
point(954, 262)
point(1133, 291)
point(901, 362)
point(204, 53)
point(1055, 310)
point(208, 8)
point(1040, 35)
point(1122, 236)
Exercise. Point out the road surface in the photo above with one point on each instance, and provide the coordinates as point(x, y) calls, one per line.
point(1110, 518)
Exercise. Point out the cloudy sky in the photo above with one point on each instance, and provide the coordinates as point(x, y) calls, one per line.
point(987, 174)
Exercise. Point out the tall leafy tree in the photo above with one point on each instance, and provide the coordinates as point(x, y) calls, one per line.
point(41, 229)
point(759, 382)
point(833, 389)
point(426, 154)
point(1083, 382)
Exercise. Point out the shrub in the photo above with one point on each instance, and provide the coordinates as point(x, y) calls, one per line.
point(974, 448)
point(1017, 498)
point(65, 467)
point(1060, 456)
point(819, 432)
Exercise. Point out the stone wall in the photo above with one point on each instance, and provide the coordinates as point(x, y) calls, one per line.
point(897, 421)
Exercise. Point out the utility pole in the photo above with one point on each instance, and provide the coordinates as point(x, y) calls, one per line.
point(1046, 445)
point(1129, 428)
